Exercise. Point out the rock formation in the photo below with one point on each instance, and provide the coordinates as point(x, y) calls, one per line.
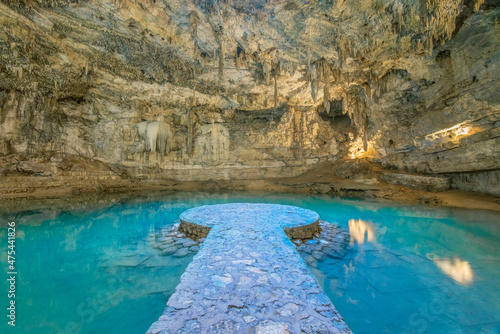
point(204, 90)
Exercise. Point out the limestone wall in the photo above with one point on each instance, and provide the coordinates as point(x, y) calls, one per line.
point(410, 85)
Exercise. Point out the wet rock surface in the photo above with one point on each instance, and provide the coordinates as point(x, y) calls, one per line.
point(162, 245)
point(170, 241)
point(330, 242)
point(248, 277)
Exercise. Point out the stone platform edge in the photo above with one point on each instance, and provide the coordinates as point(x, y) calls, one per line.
point(304, 232)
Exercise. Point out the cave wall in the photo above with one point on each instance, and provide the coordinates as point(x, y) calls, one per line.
point(79, 77)
point(441, 115)
point(284, 85)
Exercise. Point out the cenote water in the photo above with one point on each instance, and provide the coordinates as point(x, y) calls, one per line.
point(405, 270)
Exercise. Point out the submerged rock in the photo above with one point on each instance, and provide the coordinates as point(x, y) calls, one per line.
point(181, 252)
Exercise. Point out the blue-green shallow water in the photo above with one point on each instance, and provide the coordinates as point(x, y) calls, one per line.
point(413, 270)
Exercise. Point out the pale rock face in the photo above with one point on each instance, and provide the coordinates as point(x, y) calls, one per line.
point(410, 85)
point(212, 145)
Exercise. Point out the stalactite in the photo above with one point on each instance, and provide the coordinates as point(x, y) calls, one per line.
point(478, 4)
point(222, 52)
point(193, 28)
point(326, 89)
point(431, 46)
point(319, 71)
point(266, 71)
point(365, 141)
point(345, 104)
point(19, 71)
point(323, 69)
point(293, 69)
point(239, 57)
point(367, 90)
point(193, 24)
point(142, 128)
point(314, 81)
point(237, 61)
point(275, 90)
point(282, 67)
point(419, 47)
point(190, 132)
point(326, 97)
point(157, 136)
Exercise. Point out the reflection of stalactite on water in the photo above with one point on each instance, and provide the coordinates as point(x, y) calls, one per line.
point(459, 270)
point(361, 231)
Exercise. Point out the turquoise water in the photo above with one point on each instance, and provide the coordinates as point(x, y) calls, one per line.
point(406, 270)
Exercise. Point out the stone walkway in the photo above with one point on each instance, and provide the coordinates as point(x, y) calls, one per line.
point(248, 277)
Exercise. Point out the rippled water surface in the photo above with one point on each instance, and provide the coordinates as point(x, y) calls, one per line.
point(95, 269)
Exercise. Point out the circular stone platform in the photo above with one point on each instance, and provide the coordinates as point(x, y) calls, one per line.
point(298, 223)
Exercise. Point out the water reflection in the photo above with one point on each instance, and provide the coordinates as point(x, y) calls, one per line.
point(80, 267)
point(459, 270)
point(361, 231)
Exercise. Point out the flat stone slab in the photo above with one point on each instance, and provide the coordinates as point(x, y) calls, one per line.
point(248, 277)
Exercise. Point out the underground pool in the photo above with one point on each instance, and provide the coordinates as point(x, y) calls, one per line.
point(110, 268)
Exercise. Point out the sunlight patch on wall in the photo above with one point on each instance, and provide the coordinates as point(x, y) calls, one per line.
point(454, 133)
